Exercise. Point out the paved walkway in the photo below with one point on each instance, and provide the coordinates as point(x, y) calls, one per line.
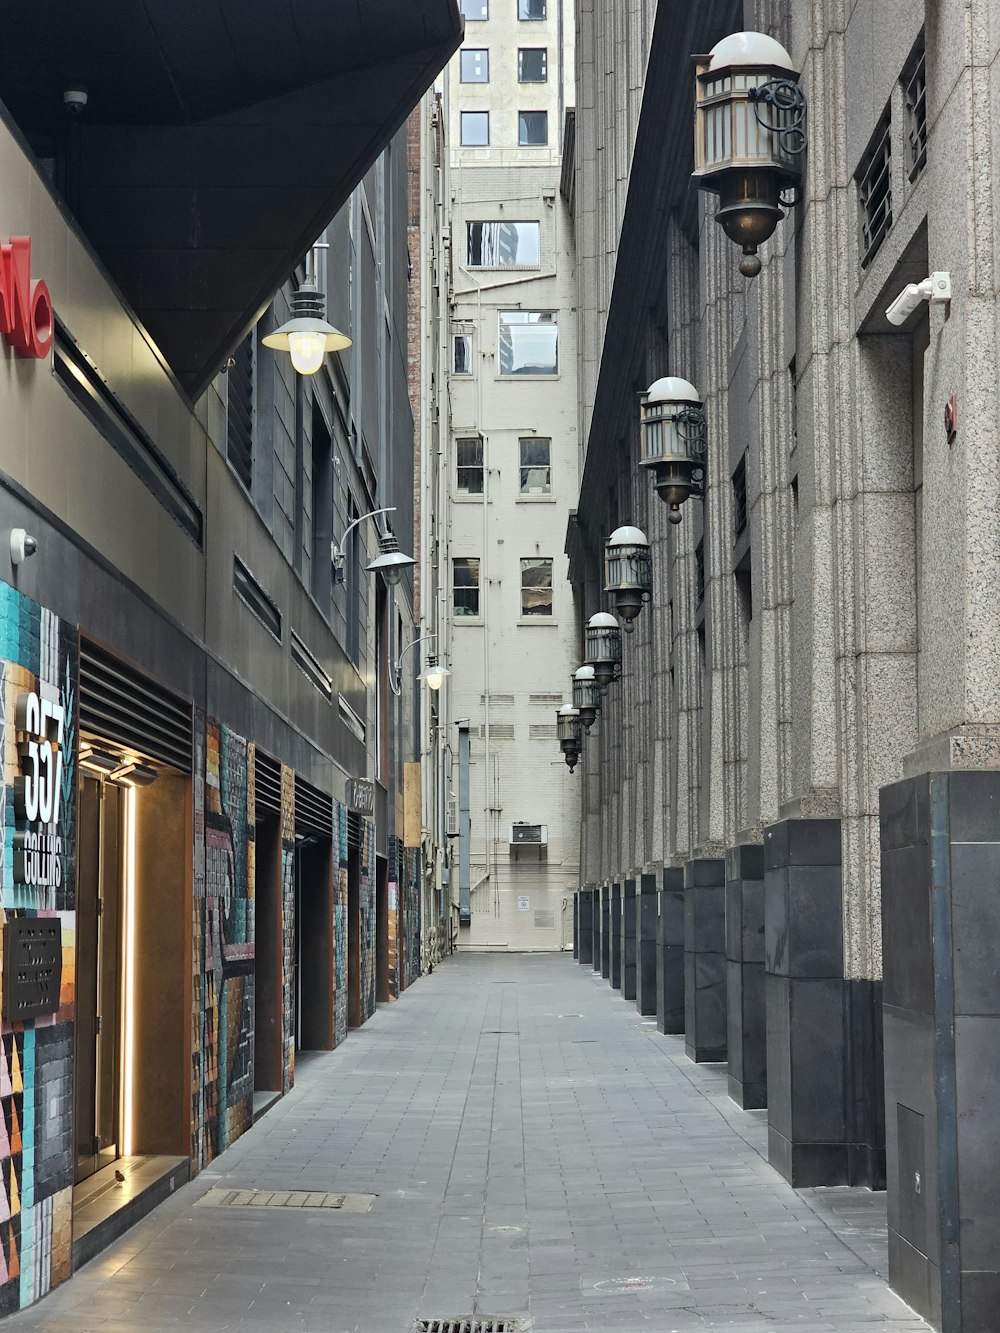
point(538, 1150)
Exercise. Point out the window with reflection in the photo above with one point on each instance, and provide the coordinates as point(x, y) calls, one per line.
point(503, 244)
point(536, 587)
point(528, 342)
point(535, 466)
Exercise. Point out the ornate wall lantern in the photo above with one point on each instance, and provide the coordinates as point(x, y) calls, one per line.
point(628, 572)
point(586, 696)
point(750, 117)
point(673, 441)
point(570, 734)
point(603, 642)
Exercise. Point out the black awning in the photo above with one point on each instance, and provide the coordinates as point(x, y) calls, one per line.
point(218, 139)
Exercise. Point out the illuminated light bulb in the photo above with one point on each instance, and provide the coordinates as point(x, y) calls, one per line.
point(307, 351)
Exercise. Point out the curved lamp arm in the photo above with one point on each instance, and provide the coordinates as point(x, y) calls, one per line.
point(337, 552)
point(396, 679)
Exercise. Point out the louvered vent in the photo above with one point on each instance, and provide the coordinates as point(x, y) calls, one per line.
point(499, 731)
point(353, 829)
point(120, 704)
point(267, 784)
point(313, 809)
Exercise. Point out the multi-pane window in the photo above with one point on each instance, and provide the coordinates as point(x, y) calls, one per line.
point(475, 9)
point(875, 191)
point(461, 353)
point(475, 65)
point(475, 129)
point(536, 587)
point(532, 64)
point(915, 103)
point(469, 458)
point(530, 9)
point(465, 586)
point(504, 244)
point(532, 129)
point(536, 466)
point(529, 342)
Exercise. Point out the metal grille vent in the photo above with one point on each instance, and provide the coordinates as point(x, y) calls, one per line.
point(267, 784)
point(875, 191)
point(498, 700)
point(468, 1326)
point(120, 704)
point(545, 918)
point(499, 731)
point(740, 495)
point(255, 599)
point(345, 1203)
point(699, 573)
point(353, 829)
point(915, 102)
point(542, 731)
point(545, 700)
point(311, 667)
point(313, 809)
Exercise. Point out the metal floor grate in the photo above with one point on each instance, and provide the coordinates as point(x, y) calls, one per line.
point(345, 1203)
point(468, 1326)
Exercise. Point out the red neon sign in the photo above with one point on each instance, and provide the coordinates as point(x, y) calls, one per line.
point(26, 320)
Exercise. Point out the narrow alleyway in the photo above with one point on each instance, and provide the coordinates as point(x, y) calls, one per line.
point(537, 1150)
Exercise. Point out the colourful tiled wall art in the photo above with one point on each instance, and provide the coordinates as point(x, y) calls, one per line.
point(38, 654)
point(223, 944)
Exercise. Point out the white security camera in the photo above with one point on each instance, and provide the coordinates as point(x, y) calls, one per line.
point(936, 288)
point(75, 99)
point(21, 546)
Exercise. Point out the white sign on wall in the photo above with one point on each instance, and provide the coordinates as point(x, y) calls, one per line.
point(523, 903)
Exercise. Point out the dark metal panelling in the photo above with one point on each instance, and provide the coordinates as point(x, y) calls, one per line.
point(120, 704)
point(313, 809)
point(267, 784)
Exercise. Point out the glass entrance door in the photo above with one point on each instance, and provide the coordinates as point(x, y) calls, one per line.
point(99, 976)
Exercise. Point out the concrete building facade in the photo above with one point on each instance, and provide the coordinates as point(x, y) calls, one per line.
point(800, 759)
point(507, 474)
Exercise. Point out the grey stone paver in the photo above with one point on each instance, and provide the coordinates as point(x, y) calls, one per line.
point(577, 1171)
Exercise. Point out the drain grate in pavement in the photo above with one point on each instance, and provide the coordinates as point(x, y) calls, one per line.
point(345, 1203)
point(467, 1326)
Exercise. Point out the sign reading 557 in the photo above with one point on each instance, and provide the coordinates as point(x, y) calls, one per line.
point(39, 745)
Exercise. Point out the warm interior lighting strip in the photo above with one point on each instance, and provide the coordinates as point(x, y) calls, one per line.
point(128, 1042)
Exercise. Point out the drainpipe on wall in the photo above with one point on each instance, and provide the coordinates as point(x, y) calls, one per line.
point(464, 829)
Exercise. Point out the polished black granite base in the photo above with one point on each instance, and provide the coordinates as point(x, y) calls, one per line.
point(584, 928)
point(940, 842)
point(645, 946)
point(615, 927)
point(606, 931)
point(595, 916)
point(670, 953)
point(628, 939)
point(747, 1038)
point(824, 1053)
point(705, 959)
point(104, 1207)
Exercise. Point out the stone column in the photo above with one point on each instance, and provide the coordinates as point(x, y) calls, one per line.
point(606, 931)
point(747, 1038)
point(705, 959)
point(670, 952)
point(615, 950)
point(824, 1100)
point(940, 839)
point(583, 923)
point(645, 948)
point(628, 939)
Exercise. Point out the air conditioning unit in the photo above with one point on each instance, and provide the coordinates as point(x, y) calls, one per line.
point(529, 835)
point(452, 828)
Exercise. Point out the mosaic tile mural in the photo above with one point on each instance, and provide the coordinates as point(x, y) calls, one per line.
point(223, 943)
point(367, 920)
point(38, 654)
point(340, 922)
point(288, 927)
point(409, 911)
